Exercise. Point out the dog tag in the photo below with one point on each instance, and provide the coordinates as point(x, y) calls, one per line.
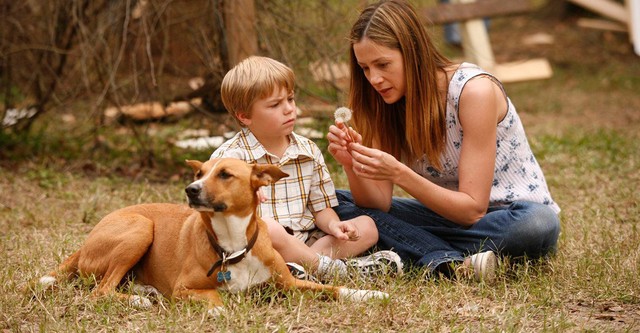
point(224, 276)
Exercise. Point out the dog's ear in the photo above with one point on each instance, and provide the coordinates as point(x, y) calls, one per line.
point(265, 174)
point(195, 165)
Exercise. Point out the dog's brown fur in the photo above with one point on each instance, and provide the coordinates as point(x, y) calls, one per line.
point(166, 245)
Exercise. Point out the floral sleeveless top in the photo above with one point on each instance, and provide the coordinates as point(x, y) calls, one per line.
point(517, 175)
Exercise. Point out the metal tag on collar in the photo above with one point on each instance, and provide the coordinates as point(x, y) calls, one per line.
point(224, 276)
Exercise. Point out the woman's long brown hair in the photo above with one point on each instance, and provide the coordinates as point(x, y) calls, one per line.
point(415, 125)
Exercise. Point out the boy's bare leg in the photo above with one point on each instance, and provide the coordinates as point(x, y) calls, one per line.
point(290, 248)
point(339, 249)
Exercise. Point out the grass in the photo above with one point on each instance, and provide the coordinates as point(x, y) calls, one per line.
point(582, 124)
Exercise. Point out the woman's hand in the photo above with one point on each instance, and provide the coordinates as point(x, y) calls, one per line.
point(345, 145)
point(374, 164)
point(366, 193)
point(339, 138)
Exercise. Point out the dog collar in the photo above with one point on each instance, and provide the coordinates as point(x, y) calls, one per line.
point(227, 258)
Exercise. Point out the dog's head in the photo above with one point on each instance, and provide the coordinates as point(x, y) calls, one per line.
point(229, 185)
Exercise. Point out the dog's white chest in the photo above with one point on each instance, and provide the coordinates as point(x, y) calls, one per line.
point(231, 231)
point(246, 273)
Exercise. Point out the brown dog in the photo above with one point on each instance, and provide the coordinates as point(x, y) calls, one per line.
point(218, 243)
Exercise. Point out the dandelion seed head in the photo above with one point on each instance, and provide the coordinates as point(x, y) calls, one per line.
point(343, 114)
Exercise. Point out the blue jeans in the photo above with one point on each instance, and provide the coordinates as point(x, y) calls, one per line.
point(422, 237)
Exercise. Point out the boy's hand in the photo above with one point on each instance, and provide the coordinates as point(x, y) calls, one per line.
point(344, 230)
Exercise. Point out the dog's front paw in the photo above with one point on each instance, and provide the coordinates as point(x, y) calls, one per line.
point(216, 311)
point(361, 295)
point(146, 290)
point(139, 302)
point(47, 281)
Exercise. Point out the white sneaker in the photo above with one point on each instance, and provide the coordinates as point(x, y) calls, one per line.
point(299, 272)
point(484, 266)
point(377, 264)
point(329, 268)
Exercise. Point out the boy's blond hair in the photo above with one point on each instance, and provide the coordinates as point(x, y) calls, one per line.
point(252, 79)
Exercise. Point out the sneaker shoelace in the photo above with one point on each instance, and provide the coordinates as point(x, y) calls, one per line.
point(375, 265)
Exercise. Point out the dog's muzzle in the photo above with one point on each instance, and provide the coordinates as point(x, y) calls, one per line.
point(193, 195)
point(193, 191)
point(199, 202)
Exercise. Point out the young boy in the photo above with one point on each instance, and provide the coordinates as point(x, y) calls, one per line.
point(303, 227)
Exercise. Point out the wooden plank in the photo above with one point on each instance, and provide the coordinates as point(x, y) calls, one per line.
point(601, 25)
point(455, 12)
point(607, 8)
point(475, 38)
point(476, 44)
point(475, 41)
point(532, 69)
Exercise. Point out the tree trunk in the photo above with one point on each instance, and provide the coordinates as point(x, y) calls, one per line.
point(240, 30)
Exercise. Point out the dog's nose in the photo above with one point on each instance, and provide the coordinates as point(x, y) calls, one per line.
point(193, 190)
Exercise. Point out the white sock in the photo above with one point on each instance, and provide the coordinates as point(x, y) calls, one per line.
point(328, 267)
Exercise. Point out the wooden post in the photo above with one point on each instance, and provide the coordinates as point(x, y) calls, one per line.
point(240, 30)
point(633, 6)
point(627, 14)
point(475, 38)
point(475, 41)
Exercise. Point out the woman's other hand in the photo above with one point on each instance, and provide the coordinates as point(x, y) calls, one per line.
point(374, 163)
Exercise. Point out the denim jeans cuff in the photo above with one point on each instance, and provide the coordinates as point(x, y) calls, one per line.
point(435, 259)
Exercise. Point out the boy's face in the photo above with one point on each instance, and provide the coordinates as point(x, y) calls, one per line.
point(273, 116)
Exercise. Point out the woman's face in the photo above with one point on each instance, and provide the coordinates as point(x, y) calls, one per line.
point(383, 67)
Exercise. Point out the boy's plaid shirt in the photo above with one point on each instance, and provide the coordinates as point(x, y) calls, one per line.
point(291, 200)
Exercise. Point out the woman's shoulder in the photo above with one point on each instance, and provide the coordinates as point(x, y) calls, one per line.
point(459, 75)
point(468, 77)
point(465, 71)
point(479, 85)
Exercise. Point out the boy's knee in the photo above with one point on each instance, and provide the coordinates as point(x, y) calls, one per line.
point(368, 229)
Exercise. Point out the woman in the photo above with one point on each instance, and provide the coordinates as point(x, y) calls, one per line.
point(448, 135)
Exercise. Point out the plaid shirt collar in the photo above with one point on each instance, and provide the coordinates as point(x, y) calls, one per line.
point(295, 149)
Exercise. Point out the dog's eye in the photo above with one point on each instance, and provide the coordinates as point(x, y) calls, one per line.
point(198, 174)
point(224, 175)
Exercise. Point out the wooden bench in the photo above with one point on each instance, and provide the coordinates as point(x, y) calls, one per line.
point(625, 17)
point(475, 38)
